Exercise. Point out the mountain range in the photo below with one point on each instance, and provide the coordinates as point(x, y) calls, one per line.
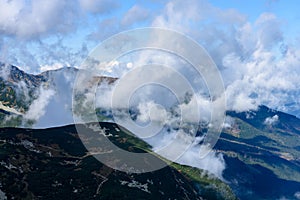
point(261, 150)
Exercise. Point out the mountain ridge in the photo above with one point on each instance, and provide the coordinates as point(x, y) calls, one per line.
point(58, 156)
point(258, 146)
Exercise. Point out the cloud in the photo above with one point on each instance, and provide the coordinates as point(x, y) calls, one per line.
point(37, 108)
point(104, 95)
point(106, 28)
point(204, 108)
point(229, 122)
point(263, 78)
point(254, 69)
point(51, 67)
point(31, 18)
point(31, 56)
point(185, 16)
point(180, 147)
point(254, 58)
point(52, 106)
point(269, 32)
point(5, 71)
point(179, 11)
point(98, 6)
point(271, 120)
point(297, 195)
point(33, 33)
point(213, 163)
point(151, 111)
point(134, 15)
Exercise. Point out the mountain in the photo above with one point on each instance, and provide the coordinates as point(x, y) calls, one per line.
point(53, 164)
point(16, 86)
point(18, 90)
point(261, 150)
point(46, 93)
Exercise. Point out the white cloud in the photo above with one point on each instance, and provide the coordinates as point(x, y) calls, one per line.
point(229, 122)
point(51, 67)
point(271, 120)
point(23, 18)
point(297, 195)
point(180, 11)
point(180, 147)
point(269, 32)
point(213, 163)
point(151, 111)
point(255, 68)
point(104, 95)
point(129, 65)
point(38, 106)
point(5, 71)
point(134, 15)
point(197, 109)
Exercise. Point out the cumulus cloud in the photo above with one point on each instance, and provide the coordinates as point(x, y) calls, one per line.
point(262, 80)
point(271, 120)
point(254, 58)
point(150, 110)
point(269, 32)
point(179, 11)
point(30, 18)
point(33, 33)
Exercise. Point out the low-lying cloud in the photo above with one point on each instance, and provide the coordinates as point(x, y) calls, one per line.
point(271, 120)
point(37, 108)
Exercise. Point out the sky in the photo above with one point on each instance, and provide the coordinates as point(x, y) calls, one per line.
point(51, 33)
point(255, 44)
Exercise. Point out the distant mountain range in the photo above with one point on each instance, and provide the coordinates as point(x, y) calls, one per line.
point(261, 148)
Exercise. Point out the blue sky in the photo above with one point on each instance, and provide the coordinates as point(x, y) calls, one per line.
point(86, 22)
point(255, 44)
